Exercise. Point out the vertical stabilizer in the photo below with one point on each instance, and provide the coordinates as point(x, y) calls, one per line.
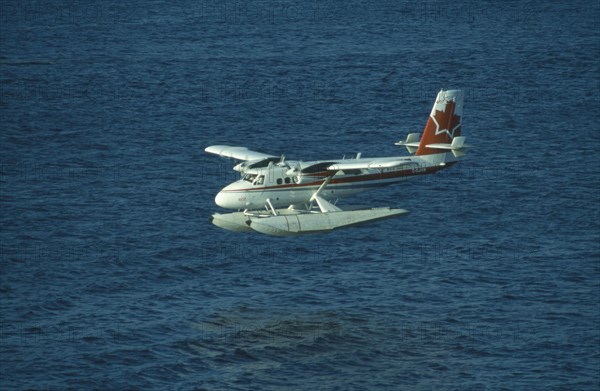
point(444, 123)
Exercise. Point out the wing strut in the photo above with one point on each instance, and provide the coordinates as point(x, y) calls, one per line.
point(324, 205)
point(273, 210)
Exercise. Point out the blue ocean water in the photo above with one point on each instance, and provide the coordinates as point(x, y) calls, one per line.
point(112, 276)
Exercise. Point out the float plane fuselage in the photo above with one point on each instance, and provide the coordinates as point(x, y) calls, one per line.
point(270, 182)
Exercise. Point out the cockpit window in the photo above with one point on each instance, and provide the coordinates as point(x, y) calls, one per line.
point(249, 177)
point(260, 180)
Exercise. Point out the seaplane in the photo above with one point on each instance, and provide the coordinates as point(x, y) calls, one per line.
point(281, 197)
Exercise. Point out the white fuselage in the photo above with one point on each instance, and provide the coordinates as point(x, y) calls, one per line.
point(282, 188)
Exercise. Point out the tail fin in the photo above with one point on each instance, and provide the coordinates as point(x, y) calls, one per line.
point(444, 123)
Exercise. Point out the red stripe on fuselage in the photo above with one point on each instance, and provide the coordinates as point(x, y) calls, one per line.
point(354, 178)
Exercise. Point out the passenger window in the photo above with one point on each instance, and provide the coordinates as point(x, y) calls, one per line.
point(279, 181)
point(287, 180)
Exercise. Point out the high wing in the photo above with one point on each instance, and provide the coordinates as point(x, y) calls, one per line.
point(358, 164)
point(250, 159)
point(238, 153)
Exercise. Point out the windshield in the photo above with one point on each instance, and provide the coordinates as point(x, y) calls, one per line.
point(254, 179)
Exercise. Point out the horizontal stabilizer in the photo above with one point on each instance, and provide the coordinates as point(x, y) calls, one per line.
point(238, 153)
point(457, 146)
point(457, 143)
point(411, 143)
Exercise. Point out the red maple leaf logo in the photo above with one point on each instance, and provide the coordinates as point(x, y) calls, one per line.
point(447, 122)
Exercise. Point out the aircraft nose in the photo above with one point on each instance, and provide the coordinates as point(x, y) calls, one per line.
point(222, 200)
